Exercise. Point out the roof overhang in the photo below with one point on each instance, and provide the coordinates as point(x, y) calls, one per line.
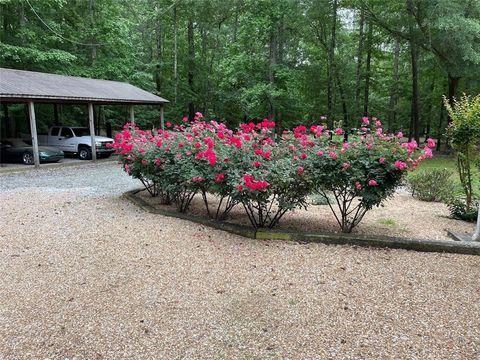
point(26, 86)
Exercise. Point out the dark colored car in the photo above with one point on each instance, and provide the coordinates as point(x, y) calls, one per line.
point(17, 150)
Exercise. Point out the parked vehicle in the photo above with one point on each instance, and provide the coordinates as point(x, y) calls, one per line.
point(17, 150)
point(76, 140)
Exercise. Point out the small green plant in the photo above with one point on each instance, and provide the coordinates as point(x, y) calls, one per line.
point(431, 185)
point(464, 136)
point(458, 210)
point(320, 199)
point(387, 222)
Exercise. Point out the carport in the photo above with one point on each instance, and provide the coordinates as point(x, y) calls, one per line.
point(29, 87)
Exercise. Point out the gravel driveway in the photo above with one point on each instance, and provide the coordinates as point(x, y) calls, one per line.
point(85, 274)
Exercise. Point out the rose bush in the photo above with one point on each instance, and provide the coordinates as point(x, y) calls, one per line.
point(269, 175)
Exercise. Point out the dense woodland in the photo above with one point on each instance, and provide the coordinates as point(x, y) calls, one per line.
point(237, 60)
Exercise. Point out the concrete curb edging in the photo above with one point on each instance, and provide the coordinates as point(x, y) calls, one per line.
point(455, 247)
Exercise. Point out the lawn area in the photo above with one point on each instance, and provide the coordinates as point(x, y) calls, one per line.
point(439, 162)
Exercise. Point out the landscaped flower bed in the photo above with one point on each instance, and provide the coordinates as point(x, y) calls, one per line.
point(269, 175)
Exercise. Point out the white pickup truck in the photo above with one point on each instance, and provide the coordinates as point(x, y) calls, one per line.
point(76, 140)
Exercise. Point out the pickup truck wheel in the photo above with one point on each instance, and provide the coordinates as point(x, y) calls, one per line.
point(27, 158)
point(85, 153)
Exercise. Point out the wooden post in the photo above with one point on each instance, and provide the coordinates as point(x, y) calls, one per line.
point(92, 131)
point(132, 114)
point(476, 235)
point(162, 120)
point(33, 131)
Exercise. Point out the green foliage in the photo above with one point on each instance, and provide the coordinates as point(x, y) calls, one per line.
point(458, 210)
point(431, 185)
point(387, 222)
point(252, 59)
point(464, 135)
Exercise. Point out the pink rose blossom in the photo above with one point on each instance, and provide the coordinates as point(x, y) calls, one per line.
point(372, 182)
point(300, 170)
point(365, 120)
point(427, 153)
point(345, 166)
point(338, 131)
point(381, 160)
point(431, 143)
point(333, 155)
point(358, 186)
point(400, 165)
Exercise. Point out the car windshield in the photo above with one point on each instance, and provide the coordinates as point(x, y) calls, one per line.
point(15, 142)
point(81, 132)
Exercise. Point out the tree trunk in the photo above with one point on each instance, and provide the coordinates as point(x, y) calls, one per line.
point(272, 57)
point(414, 122)
point(415, 128)
point(191, 64)
point(452, 89)
point(93, 53)
point(330, 70)
point(359, 61)
point(428, 125)
point(367, 69)
point(440, 126)
point(158, 50)
point(392, 114)
point(346, 124)
point(175, 76)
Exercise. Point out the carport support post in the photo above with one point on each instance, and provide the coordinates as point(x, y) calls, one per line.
point(132, 114)
point(476, 235)
point(33, 131)
point(92, 131)
point(162, 120)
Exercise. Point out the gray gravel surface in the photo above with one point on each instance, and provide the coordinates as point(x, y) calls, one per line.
point(84, 274)
point(103, 179)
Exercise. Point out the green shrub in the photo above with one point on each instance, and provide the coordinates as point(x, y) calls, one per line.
point(464, 136)
point(320, 199)
point(431, 185)
point(458, 210)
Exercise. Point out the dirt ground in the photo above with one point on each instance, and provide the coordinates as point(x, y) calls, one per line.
point(85, 274)
point(401, 215)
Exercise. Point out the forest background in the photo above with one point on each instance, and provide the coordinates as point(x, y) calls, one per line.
point(243, 60)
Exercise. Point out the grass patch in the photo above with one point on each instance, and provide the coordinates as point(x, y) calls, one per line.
point(387, 222)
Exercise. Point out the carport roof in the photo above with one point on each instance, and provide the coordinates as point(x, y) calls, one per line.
point(23, 86)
